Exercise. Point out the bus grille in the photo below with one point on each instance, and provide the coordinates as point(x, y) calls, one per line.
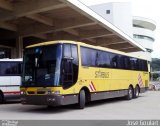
point(41, 92)
point(30, 92)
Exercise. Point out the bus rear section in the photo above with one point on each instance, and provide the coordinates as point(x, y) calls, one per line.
point(66, 72)
point(110, 73)
point(10, 79)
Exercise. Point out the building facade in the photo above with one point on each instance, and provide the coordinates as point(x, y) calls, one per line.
point(116, 14)
point(138, 28)
point(143, 33)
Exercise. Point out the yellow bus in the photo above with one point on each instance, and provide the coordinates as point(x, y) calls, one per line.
point(68, 72)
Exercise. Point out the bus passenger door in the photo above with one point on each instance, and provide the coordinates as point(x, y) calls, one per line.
point(69, 66)
point(67, 72)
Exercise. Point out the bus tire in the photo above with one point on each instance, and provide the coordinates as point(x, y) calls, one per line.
point(82, 99)
point(136, 92)
point(1, 98)
point(130, 93)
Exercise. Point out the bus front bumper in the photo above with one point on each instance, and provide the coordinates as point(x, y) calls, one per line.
point(50, 100)
point(12, 97)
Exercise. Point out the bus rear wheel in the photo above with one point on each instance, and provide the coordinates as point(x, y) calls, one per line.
point(82, 99)
point(1, 98)
point(130, 93)
point(136, 92)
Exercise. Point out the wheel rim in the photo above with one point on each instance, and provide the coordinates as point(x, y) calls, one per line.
point(137, 92)
point(130, 93)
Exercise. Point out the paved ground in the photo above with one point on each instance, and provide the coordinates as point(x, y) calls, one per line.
point(147, 106)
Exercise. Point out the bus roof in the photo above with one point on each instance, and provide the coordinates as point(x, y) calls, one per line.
point(10, 60)
point(86, 45)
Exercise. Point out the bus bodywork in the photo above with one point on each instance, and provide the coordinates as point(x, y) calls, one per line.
point(10, 79)
point(66, 72)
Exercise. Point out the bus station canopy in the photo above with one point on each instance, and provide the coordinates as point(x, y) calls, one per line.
point(60, 20)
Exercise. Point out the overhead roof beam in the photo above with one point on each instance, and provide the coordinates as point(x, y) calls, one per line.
point(8, 26)
point(108, 41)
point(128, 49)
point(131, 49)
point(72, 31)
point(92, 40)
point(41, 19)
point(25, 8)
point(76, 33)
point(48, 21)
point(119, 46)
point(12, 27)
point(6, 5)
point(41, 36)
point(95, 34)
point(73, 23)
point(62, 36)
point(58, 26)
point(36, 6)
point(114, 43)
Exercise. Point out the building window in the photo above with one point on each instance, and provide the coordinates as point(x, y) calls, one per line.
point(149, 50)
point(108, 12)
point(138, 26)
point(143, 37)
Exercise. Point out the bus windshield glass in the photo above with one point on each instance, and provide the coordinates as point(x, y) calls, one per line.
point(42, 66)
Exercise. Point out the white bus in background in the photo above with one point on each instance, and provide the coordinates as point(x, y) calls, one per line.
point(10, 79)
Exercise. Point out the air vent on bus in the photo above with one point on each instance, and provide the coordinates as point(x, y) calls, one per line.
point(30, 92)
point(41, 92)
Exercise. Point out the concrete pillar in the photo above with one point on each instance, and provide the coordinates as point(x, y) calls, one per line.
point(13, 53)
point(19, 47)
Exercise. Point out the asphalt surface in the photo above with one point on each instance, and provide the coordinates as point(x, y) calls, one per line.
point(147, 106)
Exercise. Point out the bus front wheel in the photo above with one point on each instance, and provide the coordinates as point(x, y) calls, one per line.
point(82, 99)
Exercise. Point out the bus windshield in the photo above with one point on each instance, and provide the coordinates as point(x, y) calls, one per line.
point(42, 66)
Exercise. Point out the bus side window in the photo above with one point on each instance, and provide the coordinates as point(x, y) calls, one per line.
point(133, 62)
point(10, 68)
point(88, 57)
point(103, 59)
point(126, 63)
point(114, 62)
point(145, 63)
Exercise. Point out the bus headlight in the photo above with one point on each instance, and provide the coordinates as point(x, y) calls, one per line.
point(54, 92)
point(22, 92)
point(57, 92)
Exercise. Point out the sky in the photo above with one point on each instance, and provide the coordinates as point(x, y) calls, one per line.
point(143, 8)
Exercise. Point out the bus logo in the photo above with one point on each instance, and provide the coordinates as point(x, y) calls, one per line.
point(92, 87)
